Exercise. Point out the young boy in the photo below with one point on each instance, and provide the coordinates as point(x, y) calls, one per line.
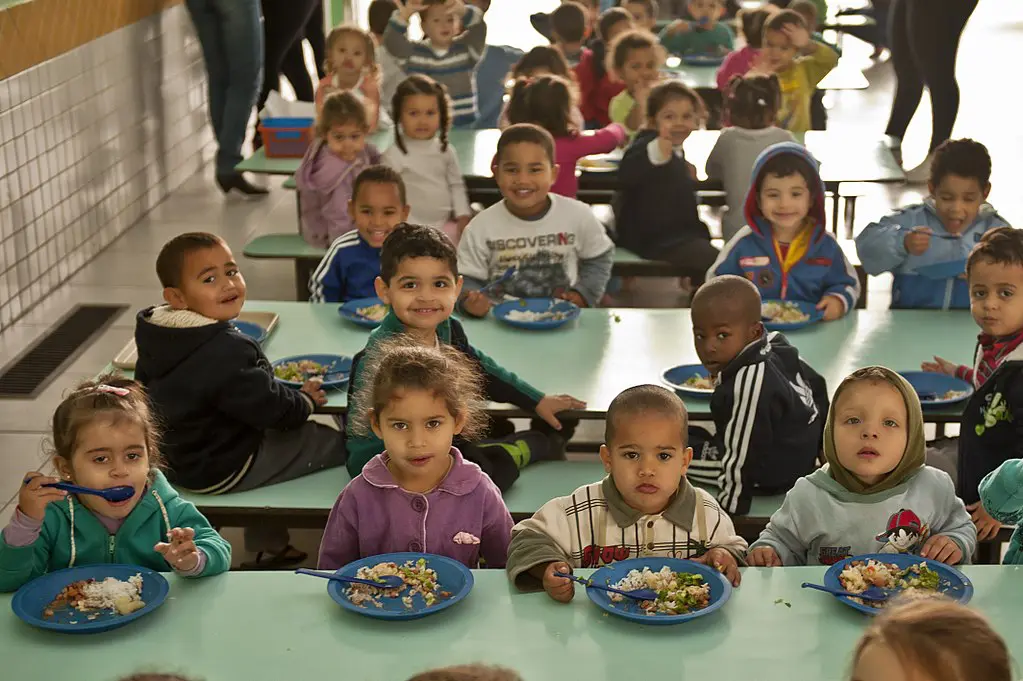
point(596, 86)
point(644, 507)
point(799, 63)
point(702, 33)
point(568, 30)
point(944, 227)
point(768, 405)
point(419, 280)
point(784, 248)
point(352, 263)
point(558, 246)
point(449, 55)
point(227, 424)
point(644, 12)
point(391, 69)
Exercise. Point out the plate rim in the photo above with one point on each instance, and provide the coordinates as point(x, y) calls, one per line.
point(815, 315)
point(688, 389)
point(346, 312)
point(295, 358)
point(262, 336)
point(573, 313)
point(970, 390)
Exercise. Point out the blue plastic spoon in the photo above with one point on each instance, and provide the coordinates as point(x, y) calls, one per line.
point(385, 582)
point(874, 593)
point(508, 274)
point(638, 594)
point(114, 494)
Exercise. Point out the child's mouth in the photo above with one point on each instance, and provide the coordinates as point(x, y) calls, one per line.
point(425, 311)
point(420, 461)
point(230, 299)
point(523, 193)
point(647, 489)
point(867, 453)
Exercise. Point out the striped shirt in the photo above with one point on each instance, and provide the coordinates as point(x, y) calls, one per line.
point(347, 271)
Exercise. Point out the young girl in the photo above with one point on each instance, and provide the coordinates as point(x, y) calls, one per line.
point(635, 60)
point(875, 495)
point(547, 101)
point(596, 87)
point(751, 105)
point(422, 156)
point(351, 65)
point(330, 166)
point(739, 62)
point(931, 640)
point(419, 494)
point(104, 436)
point(542, 61)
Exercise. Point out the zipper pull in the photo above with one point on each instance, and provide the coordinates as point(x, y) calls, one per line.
point(110, 548)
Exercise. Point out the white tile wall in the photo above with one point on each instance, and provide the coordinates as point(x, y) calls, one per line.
point(89, 142)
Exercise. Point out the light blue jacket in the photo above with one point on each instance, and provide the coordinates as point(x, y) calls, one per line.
point(882, 248)
point(1001, 492)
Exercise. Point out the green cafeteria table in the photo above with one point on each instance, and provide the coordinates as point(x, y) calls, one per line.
point(276, 625)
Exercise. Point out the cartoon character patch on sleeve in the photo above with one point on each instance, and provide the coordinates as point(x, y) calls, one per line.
point(905, 533)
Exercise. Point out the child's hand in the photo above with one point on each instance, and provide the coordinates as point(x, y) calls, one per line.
point(942, 549)
point(797, 35)
point(679, 26)
point(477, 304)
point(314, 389)
point(33, 497)
point(763, 556)
point(939, 366)
point(181, 553)
point(918, 240)
point(575, 298)
point(410, 8)
point(456, 7)
point(558, 588)
point(832, 307)
point(987, 527)
point(461, 222)
point(724, 562)
point(554, 404)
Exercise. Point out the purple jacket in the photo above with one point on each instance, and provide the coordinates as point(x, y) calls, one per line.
point(463, 518)
point(324, 184)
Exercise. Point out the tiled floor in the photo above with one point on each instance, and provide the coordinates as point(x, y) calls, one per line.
point(124, 272)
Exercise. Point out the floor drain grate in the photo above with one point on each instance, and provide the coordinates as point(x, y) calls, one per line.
point(31, 372)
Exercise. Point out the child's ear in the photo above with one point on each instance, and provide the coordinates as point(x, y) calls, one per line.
point(63, 467)
point(605, 458)
point(931, 188)
point(687, 458)
point(460, 419)
point(383, 292)
point(351, 209)
point(175, 298)
point(405, 210)
point(458, 286)
point(756, 331)
point(374, 423)
point(554, 172)
point(987, 190)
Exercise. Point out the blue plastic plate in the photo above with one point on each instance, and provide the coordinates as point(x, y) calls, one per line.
point(32, 598)
point(452, 576)
point(250, 329)
point(953, 583)
point(350, 311)
point(676, 378)
point(703, 59)
point(570, 311)
point(338, 376)
point(720, 589)
point(950, 269)
point(931, 387)
point(600, 163)
point(807, 308)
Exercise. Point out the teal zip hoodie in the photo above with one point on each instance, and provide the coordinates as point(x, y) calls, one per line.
point(71, 535)
point(1001, 493)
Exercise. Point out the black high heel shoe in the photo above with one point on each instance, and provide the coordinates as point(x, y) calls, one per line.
point(237, 181)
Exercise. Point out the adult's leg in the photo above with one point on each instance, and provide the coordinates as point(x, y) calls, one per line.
point(293, 68)
point(314, 33)
point(208, 29)
point(243, 46)
point(283, 24)
point(909, 84)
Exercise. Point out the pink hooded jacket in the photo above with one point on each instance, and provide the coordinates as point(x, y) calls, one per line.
point(324, 184)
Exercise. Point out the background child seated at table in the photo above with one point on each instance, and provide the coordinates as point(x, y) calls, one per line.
point(229, 426)
point(875, 495)
point(644, 12)
point(992, 423)
point(419, 280)
point(701, 33)
point(352, 263)
point(597, 86)
point(329, 168)
point(644, 507)
point(768, 404)
point(449, 54)
point(390, 69)
point(417, 399)
point(549, 102)
point(930, 640)
point(636, 59)
point(1001, 493)
point(785, 248)
point(738, 63)
point(569, 26)
point(944, 227)
point(655, 208)
point(751, 107)
point(425, 159)
point(468, 672)
point(104, 435)
point(352, 67)
point(543, 61)
point(556, 244)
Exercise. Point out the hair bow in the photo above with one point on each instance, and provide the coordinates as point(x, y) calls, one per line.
point(120, 392)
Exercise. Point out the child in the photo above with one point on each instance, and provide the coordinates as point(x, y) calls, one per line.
point(785, 37)
point(568, 30)
point(104, 435)
point(768, 404)
point(784, 248)
point(352, 67)
point(228, 425)
point(352, 263)
point(468, 672)
point(751, 107)
point(427, 163)
point(391, 69)
point(636, 59)
point(1001, 494)
point(655, 209)
point(558, 246)
point(644, 507)
point(875, 495)
point(702, 33)
point(419, 490)
point(548, 101)
point(945, 226)
point(543, 61)
point(739, 62)
point(330, 166)
point(931, 640)
point(644, 13)
point(808, 10)
point(992, 423)
point(419, 281)
point(449, 55)
point(596, 86)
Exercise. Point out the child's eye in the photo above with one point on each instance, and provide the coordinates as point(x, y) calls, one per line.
point(979, 294)
point(891, 423)
point(665, 456)
point(409, 285)
point(852, 421)
point(1005, 293)
point(232, 273)
point(399, 426)
point(209, 279)
point(102, 458)
point(440, 284)
point(433, 423)
point(698, 336)
point(134, 456)
point(723, 335)
point(632, 456)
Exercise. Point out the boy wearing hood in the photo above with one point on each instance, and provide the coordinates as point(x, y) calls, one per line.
point(785, 248)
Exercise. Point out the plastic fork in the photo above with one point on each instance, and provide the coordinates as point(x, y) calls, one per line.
point(384, 582)
point(508, 274)
point(114, 494)
point(638, 594)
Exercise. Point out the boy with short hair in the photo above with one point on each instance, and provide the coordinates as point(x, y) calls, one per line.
point(420, 282)
point(644, 507)
point(352, 263)
point(568, 31)
point(228, 425)
point(391, 69)
point(644, 12)
point(768, 405)
point(785, 248)
point(556, 244)
point(702, 33)
point(944, 227)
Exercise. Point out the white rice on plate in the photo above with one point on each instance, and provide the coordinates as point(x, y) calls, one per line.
point(678, 593)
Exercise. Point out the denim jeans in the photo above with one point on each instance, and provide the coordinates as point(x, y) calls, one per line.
point(232, 45)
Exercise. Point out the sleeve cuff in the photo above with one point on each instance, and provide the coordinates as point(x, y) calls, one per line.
point(197, 570)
